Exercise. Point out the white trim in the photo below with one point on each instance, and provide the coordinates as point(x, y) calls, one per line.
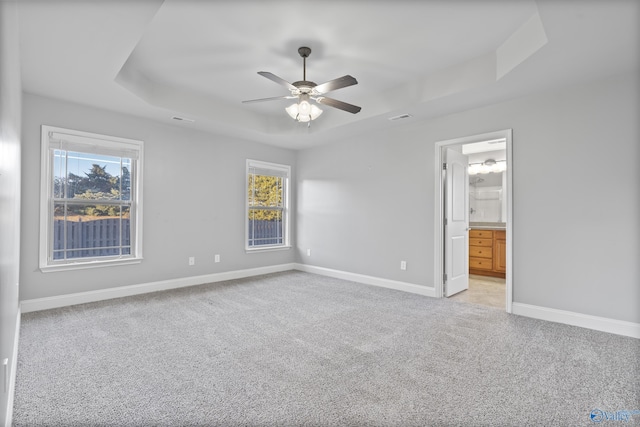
point(543, 313)
point(46, 303)
point(267, 249)
point(268, 166)
point(286, 171)
point(14, 371)
point(137, 173)
point(509, 272)
point(438, 206)
point(368, 280)
point(94, 263)
point(604, 324)
point(438, 232)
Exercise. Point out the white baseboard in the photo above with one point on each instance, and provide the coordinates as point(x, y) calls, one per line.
point(38, 304)
point(368, 280)
point(47, 303)
point(604, 324)
point(12, 375)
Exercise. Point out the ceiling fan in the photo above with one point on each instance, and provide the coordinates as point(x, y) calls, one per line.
point(304, 91)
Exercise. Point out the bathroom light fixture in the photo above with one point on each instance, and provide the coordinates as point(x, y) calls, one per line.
point(488, 166)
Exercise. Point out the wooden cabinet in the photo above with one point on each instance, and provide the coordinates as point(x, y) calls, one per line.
point(500, 251)
point(487, 252)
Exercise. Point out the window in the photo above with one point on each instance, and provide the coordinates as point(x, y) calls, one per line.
point(267, 205)
point(90, 200)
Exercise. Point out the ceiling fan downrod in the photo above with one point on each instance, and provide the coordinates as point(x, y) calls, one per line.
point(304, 53)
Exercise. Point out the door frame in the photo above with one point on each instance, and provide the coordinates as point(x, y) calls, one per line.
point(440, 147)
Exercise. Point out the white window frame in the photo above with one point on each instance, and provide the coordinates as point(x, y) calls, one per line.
point(278, 170)
point(92, 143)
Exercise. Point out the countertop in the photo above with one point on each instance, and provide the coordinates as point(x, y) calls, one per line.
point(487, 225)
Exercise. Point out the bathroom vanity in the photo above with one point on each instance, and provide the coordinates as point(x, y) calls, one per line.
point(488, 250)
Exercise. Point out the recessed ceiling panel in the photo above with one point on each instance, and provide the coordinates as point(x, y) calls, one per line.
point(200, 59)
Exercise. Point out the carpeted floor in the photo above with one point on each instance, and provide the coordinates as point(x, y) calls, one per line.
point(300, 349)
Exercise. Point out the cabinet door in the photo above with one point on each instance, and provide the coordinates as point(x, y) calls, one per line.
point(500, 255)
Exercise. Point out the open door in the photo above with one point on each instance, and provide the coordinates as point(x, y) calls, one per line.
point(456, 223)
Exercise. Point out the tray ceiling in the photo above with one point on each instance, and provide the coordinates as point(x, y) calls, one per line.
point(199, 60)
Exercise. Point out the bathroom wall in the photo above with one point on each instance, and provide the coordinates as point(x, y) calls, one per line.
point(487, 197)
point(486, 204)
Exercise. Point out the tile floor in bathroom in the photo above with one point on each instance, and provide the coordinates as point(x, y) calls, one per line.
point(483, 290)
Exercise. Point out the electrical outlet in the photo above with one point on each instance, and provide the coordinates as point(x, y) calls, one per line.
point(217, 258)
point(308, 252)
point(403, 265)
point(192, 260)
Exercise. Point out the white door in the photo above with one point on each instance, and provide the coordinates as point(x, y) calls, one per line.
point(456, 228)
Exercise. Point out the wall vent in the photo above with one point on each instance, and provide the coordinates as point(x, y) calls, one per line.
point(400, 117)
point(183, 119)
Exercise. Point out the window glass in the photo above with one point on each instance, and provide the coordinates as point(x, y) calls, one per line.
point(91, 201)
point(267, 205)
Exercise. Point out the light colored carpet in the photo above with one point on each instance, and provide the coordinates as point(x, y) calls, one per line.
point(300, 349)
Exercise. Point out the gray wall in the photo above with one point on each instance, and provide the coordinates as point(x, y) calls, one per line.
point(10, 116)
point(194, 200)
point(367, 203)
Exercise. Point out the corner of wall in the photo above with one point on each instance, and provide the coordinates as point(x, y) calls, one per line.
point(10, 188)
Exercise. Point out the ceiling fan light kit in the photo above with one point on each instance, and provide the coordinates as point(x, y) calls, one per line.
point(303, 110)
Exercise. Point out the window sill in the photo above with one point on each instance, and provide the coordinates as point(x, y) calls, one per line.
point(81, 265)
point(267, 249)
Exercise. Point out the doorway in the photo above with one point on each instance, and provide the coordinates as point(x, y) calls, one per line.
point(443, 234)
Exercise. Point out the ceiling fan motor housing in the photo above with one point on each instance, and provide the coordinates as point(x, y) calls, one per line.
point(304, 86)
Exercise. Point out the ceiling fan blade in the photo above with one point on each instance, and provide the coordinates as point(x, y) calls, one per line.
point(277, 79)
point(274, 98)
point(334, 84)
point(350, 108)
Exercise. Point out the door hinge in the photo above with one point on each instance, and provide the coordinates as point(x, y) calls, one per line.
point(445, 221)
point(444, 278)
point(444, 166)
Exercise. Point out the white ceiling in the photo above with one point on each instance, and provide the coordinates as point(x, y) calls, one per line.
point(199, 59)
